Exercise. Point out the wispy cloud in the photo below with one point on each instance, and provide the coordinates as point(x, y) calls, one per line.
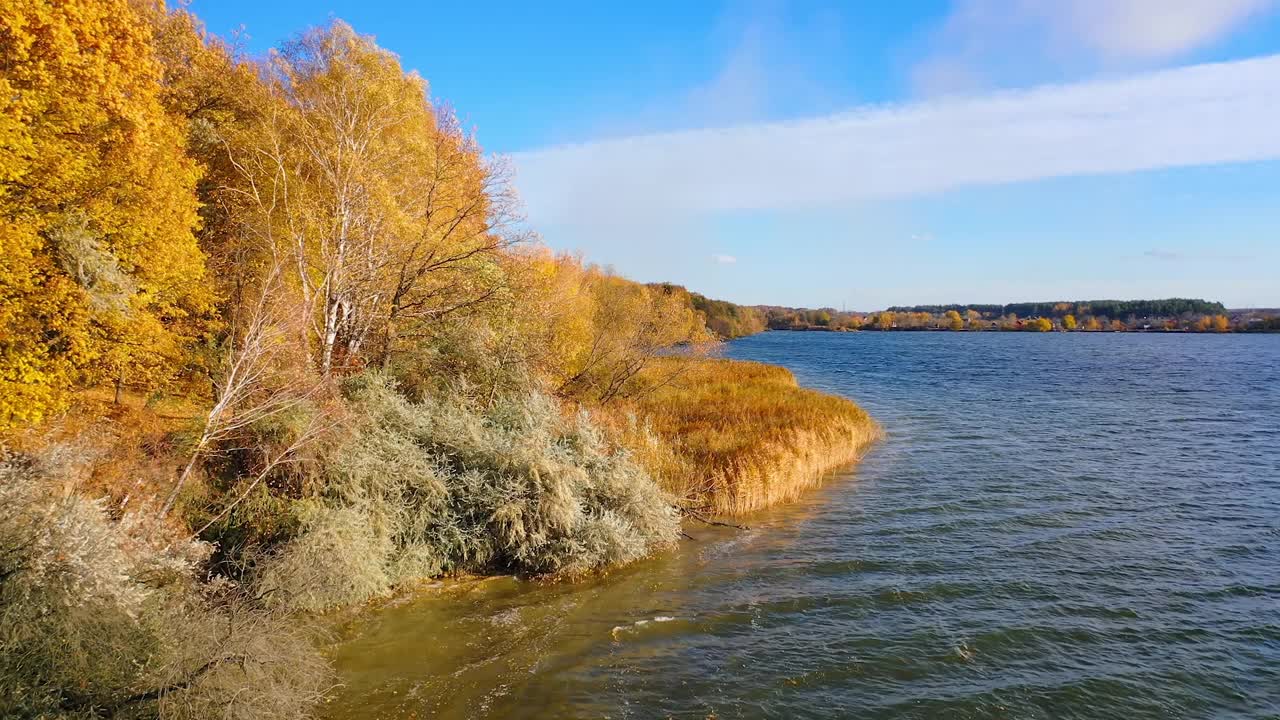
point(1149, 28)
point(771, 58)
point(978, 38)
point(1165, 255)
point(724, 259)
point(1205, 114)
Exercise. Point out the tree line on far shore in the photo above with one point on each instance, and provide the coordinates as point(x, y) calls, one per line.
point(1170, 315)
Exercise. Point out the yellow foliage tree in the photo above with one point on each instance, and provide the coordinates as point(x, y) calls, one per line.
point(629, 325)
point(101, 278)
point(552, 312)
point(954, 321)
point(386, 211)
point(1069, 321)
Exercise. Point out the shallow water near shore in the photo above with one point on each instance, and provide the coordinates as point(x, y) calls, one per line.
point(1056, 526)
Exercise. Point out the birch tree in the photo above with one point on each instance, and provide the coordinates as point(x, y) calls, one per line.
point(385, 209)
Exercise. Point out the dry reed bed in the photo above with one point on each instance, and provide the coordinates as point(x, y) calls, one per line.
point(730, 437)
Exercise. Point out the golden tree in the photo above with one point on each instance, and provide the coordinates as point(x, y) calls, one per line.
point(102, 278)
point(629, 325)
point(386, 211)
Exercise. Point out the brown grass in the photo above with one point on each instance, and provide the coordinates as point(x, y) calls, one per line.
point(731, 437)
point(128, 451)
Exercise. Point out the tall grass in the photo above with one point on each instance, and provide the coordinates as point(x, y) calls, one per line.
point(731, 437)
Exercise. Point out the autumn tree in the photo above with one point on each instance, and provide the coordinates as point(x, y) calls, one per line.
point(630, 325)
point(549, 322)
point(954, 321)
point(388, 213)
point(1221, 323)
point(726, 319)
point(219, 96)
point(102, 279)
point(1069, 321)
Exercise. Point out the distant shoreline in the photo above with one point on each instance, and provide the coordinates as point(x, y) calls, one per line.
point(728, 320)
point(1156, 331)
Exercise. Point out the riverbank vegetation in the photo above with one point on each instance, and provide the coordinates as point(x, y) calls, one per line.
point(730, 321)
point(733, 437)
point(276, 341)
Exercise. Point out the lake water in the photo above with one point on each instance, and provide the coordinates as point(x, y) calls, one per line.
point(1056, 526)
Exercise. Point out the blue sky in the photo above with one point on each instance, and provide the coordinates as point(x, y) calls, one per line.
point(871, 153)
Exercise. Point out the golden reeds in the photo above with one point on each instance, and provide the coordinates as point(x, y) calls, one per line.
point(730, 437)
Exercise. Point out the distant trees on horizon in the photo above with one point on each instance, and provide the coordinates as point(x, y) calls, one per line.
point(729, 320)
point(1169, 307)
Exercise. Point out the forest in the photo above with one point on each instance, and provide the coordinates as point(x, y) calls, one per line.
point(276, 342)
point(1172, 315)
point(1172, 307)
point(724, 319)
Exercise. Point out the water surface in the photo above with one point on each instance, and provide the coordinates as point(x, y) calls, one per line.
point(1057, 526)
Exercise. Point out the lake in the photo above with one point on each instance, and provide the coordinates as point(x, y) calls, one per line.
point(1056, 526)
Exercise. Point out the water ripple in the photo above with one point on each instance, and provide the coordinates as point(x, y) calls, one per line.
point(1057, 526)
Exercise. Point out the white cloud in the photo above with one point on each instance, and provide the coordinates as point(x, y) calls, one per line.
point(1149, 28)
point(724, 259)
point(1206, 114)
point(1010, 38)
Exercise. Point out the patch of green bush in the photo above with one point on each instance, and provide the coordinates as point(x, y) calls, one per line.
point(98, 620)
point(445, 484)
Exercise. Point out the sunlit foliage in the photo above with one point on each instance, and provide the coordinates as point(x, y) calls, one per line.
point(99, 620)
point(293, 303)
point(784, 438)
point(102, 279)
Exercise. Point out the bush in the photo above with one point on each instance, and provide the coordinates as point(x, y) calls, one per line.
point(444, 485)
point(96, 620)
